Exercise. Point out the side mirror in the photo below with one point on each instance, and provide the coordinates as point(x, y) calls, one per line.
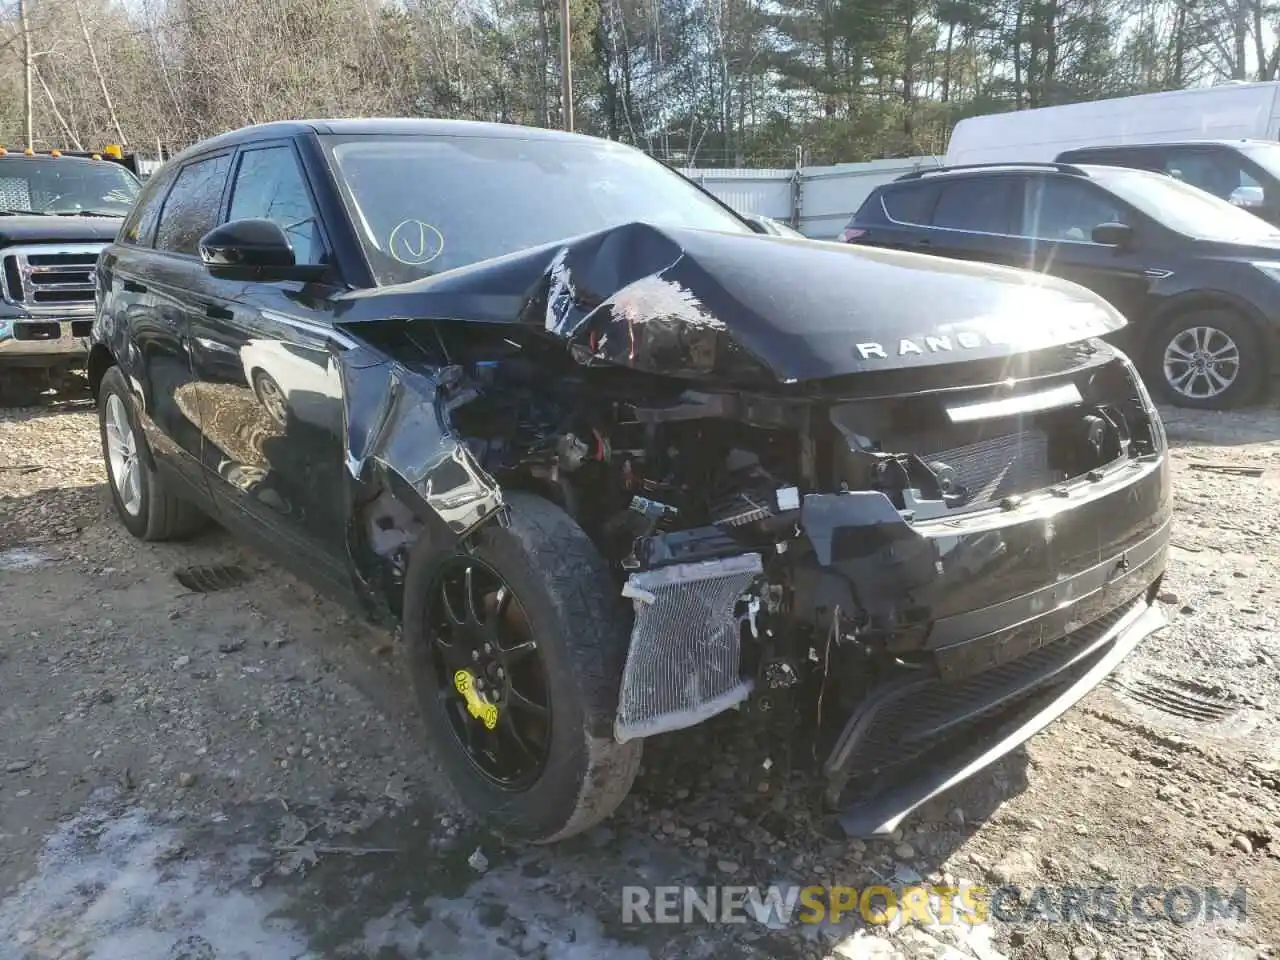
point(253, 250)
point(1118, 235)
point(1251, 198)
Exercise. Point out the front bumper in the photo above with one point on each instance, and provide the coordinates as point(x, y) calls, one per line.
point(1000, 713)
point(42, 342)
point(989, 626)
point(1045, 606)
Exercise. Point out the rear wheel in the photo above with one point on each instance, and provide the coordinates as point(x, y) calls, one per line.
point(1211, 359)
point(143, 500)
point(516, 650)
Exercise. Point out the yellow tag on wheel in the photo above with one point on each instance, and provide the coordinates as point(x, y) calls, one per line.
point(477, 706)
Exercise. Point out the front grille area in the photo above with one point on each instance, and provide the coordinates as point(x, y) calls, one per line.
point(683, 665)
point(912, 718)
point(48, 279)
point(1003, 466)
point(1070, 426)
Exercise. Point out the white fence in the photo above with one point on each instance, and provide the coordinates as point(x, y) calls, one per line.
point(817, 201)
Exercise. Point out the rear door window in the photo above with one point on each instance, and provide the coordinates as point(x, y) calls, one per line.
point(977, 204)
point(910, 203)
point(192, 207)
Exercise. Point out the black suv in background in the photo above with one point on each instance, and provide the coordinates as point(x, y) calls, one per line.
point(1245, 173)
point(1197, 278)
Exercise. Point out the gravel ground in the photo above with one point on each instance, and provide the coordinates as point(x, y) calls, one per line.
point(190, 776)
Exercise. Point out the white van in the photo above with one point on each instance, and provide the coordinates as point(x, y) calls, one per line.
point(1227, 112)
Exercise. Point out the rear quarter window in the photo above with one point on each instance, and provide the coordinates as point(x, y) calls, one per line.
point(140, 225)
point(977, 204)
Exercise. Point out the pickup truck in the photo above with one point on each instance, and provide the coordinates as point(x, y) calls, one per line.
point(57, 212)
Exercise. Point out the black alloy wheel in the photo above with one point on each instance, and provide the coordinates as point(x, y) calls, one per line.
point(489, 673)
point(516, 640)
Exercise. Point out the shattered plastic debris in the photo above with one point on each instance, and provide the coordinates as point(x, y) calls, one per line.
point(478, 861)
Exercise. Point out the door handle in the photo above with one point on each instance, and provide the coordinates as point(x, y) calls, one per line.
point(133, 286)
point(924, 242)
point(215, 312)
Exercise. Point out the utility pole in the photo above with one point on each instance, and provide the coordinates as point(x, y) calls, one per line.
point(566, 68)
point(27, 61)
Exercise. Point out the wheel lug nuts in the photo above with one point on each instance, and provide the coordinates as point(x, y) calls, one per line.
point(475, 654)
point(488, 649)
point(500, 673)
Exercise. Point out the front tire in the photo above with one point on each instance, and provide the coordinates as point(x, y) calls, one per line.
point(143, 501)
point(1207, 359)
point(540, 589)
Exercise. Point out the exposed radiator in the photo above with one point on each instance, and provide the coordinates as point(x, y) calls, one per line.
point(683, 665)
point(1002, 466)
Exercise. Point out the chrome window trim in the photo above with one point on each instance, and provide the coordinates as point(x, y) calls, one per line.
point(982, 233)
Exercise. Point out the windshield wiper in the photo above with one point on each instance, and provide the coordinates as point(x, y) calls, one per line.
point(13, 212)
point(87, 213)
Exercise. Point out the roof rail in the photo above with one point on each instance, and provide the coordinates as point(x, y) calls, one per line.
point(1067, 168)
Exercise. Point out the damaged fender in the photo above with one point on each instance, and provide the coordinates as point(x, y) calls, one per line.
point(413, 480)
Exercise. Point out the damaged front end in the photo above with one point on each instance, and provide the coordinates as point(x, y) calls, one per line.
point(939, 540)
point(928, 577)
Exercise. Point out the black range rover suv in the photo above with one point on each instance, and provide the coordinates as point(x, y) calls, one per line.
point(1197, 278)
point(617, 462)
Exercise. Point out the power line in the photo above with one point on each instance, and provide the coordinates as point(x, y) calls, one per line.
point(566, 67)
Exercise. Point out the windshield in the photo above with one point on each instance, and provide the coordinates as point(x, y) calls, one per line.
point(423, 205)
point(64, 185)
point(1184, 208)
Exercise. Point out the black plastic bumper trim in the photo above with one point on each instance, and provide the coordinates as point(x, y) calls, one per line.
point(1015, 627)
point(880, 815)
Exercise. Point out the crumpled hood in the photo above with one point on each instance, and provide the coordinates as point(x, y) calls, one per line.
point(750, 308)
point(50, 229)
